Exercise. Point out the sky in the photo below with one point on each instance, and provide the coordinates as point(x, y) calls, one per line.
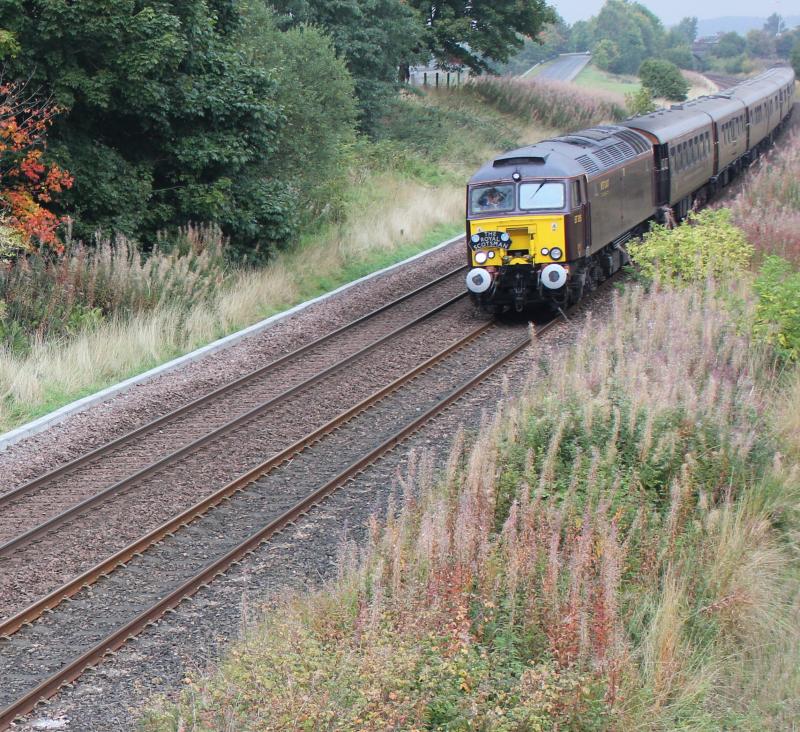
point(671, 11)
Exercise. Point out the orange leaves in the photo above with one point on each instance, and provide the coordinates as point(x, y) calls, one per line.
point(27, 181)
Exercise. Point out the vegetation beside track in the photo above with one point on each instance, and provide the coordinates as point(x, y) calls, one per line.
point(616, 550)
point(73, 323)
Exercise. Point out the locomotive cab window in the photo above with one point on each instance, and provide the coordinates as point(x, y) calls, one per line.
point(541, 196)
point(498, 197)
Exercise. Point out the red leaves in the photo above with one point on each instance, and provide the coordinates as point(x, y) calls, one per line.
point(27, 182)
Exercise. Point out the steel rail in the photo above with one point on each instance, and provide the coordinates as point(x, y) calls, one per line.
point(11, 625)
point(115, 640)
point(128, 482)
point(40, 481)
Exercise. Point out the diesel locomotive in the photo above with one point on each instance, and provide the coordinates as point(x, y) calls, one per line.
point(548, 222)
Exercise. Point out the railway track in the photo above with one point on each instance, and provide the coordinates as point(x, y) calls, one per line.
point(215, 453)
point(268, 497)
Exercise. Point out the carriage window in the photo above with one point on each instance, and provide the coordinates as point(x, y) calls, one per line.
point(542, 195)
point(492, 198)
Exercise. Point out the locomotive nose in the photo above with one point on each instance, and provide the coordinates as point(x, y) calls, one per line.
point(478, 280)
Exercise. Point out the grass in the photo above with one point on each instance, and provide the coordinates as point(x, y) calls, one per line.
point(597, 80)
point(618, 85)
point(768, 208)
point(616, 551)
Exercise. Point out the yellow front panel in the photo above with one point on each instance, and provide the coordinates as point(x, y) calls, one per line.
point(529, 234)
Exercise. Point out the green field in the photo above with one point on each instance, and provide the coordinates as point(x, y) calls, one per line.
point(593, 78)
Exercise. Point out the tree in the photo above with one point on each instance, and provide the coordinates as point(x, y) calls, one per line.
point(774, 25)
point(795, 58)
point(375, 37)
point(664, 79)
point(166, 121)
point(28, 180)
point(633, 29)
point(474, 34)
point(687, 30)
point(729, 44)
point(760, 44)
point(606, 55)
point(681, 56)
point(785, 42)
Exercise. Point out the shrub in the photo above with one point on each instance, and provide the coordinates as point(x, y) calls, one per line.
point(664, 79)
point(640, 102)
point(706, 245)
point(777, 317)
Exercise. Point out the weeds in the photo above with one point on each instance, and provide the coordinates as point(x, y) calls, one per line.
point(598, 560)
point(551, 104)
point(768, 208)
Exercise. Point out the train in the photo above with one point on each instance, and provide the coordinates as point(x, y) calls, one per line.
point(548, 222)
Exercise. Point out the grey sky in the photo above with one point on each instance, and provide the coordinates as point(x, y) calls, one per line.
point(671, 11)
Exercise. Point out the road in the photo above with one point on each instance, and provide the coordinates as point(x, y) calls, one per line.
point(565, 68)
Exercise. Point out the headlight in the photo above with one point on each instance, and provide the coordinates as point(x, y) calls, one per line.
point(555, 253)
point(481, 257)
point(504, 237)
point(474, 238)
point(545, 251)
point(491, 255)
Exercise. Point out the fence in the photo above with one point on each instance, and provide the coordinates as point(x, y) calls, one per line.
point(437, 78)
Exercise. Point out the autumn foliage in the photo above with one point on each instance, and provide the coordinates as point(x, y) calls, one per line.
point(28, 182)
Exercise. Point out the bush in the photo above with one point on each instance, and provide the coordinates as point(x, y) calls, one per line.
point(777, 318)
point(707, 245)
point(664, 78)
point(640, 102)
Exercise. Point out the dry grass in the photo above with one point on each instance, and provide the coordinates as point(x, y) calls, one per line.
point(607, 556)
point(394, 215)
point(558, 105)
point(768, 209)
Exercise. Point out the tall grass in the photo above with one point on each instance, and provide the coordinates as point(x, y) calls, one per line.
point(613, 552)
point(46, 296)
point(552, 104)
point(142, 312)
point(768, 209)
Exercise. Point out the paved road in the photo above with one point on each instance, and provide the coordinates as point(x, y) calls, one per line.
point(565, 68)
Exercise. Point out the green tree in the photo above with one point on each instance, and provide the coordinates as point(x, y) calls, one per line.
point(606, 55)
point(168, 121)
point(686, 30)
point(774, 25)
point(730, 44)
point(633, 29)
point(475, 34)
point(375, 37)
point(582, 36)
point(795, 58)
point(785, 42)
point(760, 44)
point(664, 79)
point(681, 56)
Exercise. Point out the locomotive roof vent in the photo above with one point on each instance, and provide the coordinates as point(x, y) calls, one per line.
point(527, 160)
